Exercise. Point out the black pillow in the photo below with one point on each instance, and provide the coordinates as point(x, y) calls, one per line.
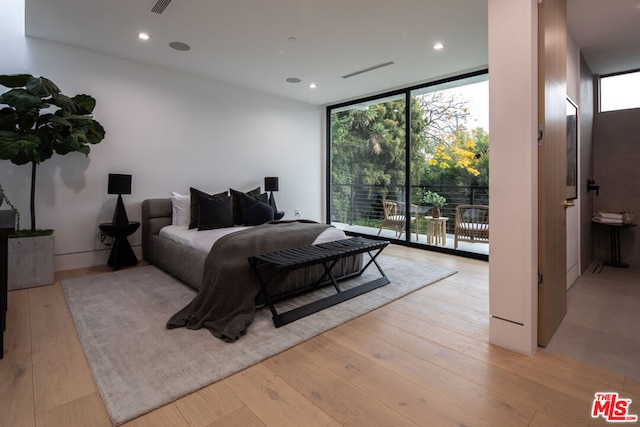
point(194, 204)
point(259, 213)
point(249, 201)
point(239, 205)
point(215, 212)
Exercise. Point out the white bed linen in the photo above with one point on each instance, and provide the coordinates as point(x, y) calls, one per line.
point(203, 240)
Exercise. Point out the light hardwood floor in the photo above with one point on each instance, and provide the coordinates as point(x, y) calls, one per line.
point(423, 360)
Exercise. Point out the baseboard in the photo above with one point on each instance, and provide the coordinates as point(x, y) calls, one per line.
point(87, 259)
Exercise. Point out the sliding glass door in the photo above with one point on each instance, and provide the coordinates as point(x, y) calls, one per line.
point(393, 159)
point(368, 162)
point(450, 167)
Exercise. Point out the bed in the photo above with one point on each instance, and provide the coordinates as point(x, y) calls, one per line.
point(191, 256)
point(165, 245)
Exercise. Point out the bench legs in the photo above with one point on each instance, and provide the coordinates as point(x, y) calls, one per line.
point(281, 319)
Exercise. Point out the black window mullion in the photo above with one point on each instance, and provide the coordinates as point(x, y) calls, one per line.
point(407, 164)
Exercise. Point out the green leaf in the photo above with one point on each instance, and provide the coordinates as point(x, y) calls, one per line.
point(26, 121)
point(65, 103)
point(53, 119)
point(42, 87)
point(77, 120)
point(8, 119)
point(21, 100)
point(44, 150)
point(15, 80)
point(20, 149)
point(95, 133)
point(69, 143)
point(85, 102)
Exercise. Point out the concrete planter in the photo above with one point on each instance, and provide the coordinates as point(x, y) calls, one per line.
point(30, 262)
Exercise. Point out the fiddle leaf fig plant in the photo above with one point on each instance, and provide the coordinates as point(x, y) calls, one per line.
point(37, 120)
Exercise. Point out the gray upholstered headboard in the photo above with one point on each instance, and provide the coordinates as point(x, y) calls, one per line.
point(156, 213)
point(184, 262)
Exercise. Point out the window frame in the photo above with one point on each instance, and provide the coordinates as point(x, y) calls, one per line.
point(407, 93)
point(606, 76)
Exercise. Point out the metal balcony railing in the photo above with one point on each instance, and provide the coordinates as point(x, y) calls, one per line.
point(361, 204)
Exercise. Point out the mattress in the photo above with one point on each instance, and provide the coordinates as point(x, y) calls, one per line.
point(203, 240)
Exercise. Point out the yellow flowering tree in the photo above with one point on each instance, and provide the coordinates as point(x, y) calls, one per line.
point(456, 150)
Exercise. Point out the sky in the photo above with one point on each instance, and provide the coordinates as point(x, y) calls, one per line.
point(620, 92)
point(478, 96)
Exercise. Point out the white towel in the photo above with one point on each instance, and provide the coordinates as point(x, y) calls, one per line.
point(607, 215)
point(607, 220)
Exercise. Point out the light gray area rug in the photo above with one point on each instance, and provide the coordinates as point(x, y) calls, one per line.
point(139, 365)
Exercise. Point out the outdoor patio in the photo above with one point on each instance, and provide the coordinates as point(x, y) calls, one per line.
point(478, 248)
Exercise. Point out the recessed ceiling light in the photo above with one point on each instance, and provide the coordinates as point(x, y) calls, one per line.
point(293, 80)
point(183, 47)
point(312, 86)
point(437, 46)
point(143, 36)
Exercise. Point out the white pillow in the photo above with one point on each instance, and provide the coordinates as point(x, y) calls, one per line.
point(181, 209)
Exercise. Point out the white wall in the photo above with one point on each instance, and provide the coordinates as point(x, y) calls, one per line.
point(616, 156)
point(169, 130)
point(513, 175)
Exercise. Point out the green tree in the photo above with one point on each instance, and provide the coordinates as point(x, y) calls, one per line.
point(368, 145)
point(369, 152)
point(454, 155)
point(369, 148)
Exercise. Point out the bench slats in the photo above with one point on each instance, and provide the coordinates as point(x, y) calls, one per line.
point(327, 254)
point(316, 254)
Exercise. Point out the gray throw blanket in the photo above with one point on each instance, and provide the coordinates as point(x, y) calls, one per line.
point(226, 303)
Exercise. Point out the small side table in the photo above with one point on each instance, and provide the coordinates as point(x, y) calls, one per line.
point(436, 230)
point(121, 253)
point(614, 242)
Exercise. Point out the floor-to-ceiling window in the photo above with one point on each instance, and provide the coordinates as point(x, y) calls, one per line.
point(393, 159)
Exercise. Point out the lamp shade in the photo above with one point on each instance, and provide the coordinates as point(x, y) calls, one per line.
point(271, 183)
point(119, 184)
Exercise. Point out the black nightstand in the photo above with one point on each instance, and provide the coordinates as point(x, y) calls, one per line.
point(121, 253)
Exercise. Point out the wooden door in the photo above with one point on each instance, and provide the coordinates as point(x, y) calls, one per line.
point(552, 258)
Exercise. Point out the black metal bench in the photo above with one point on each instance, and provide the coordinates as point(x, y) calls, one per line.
point(328, 255)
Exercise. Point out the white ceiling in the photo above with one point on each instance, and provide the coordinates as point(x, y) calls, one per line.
point(248, 42)
point(607, 32)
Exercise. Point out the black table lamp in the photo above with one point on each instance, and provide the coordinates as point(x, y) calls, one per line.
point(119, 184)
point(271, 185)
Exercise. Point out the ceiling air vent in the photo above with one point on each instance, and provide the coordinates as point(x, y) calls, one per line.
point(366, 70)
point(160, 6)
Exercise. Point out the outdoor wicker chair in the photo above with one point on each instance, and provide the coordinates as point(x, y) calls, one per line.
point(472, 224)
point(395, 217)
